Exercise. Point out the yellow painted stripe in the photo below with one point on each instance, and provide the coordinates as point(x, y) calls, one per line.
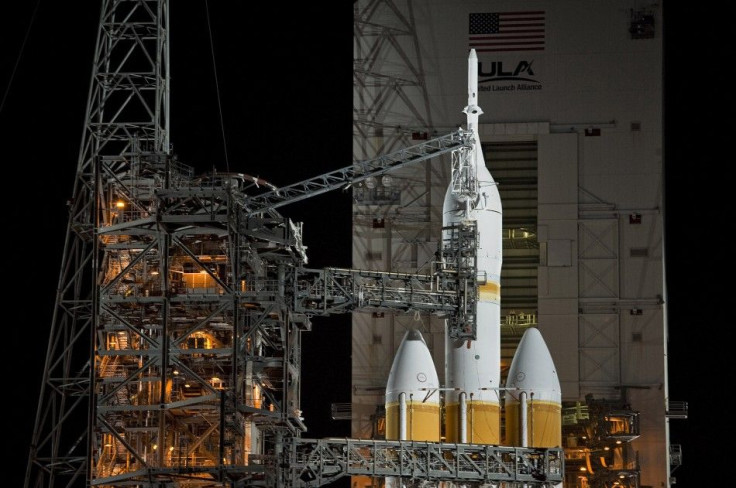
point(422, 422)
point(483, 423)
point(544, 424)
point(490, 291)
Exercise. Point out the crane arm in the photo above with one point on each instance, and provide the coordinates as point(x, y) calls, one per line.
point(359, 171)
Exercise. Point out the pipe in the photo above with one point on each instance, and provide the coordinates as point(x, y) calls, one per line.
point(531, 427)
point(402, 416)
point(462, 419)
point(472, 420)
point(523, 433)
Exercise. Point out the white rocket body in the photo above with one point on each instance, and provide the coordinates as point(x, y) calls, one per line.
point(473, 371)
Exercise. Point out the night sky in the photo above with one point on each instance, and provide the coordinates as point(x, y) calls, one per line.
point(286, 97)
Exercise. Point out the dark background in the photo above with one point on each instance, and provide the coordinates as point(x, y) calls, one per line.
point(284, 73)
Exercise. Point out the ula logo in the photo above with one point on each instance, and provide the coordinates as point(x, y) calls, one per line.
point(495, 72)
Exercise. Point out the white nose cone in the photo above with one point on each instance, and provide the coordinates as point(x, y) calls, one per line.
point(412, 399)
point(412, 371)
point(533, 370)
point(533, 399)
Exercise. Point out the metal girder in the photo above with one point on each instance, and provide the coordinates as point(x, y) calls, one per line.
point(359, 171)
point(334, 290)
point(451, 290)
point(316, 462)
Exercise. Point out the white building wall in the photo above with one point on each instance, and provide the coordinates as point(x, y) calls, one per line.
point(558, 270)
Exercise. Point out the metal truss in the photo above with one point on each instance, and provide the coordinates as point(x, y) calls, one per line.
point(319, 462)
point(386, 29)
point(335, 290)
point(187, 370)
point(344, 177)
point(127, 109)
point(451, 290)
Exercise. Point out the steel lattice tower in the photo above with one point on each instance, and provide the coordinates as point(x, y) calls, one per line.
point(127, 111)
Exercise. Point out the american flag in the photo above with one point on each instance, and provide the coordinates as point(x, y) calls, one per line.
point(507, 31)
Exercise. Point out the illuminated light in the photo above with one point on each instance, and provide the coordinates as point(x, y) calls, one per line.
point(155, 446)
point(606, 448)
point(621, 476)
point(171, 448)
point(186, 385)
point(584, 437)
point(203, 272)
point(120, 204)
point(618, 442)
point(154, 273)
point(176, 371)
point(582, 468)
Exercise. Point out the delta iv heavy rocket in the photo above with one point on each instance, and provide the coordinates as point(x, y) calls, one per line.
point(472, 368)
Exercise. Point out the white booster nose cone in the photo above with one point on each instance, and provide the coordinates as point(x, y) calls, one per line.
point(533, 384)
point(412, 399)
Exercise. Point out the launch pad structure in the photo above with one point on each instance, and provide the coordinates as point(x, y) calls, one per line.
point(176, 337)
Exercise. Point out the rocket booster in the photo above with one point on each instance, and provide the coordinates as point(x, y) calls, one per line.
point(472, 368)
point(533, 396)
point(412, 397)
